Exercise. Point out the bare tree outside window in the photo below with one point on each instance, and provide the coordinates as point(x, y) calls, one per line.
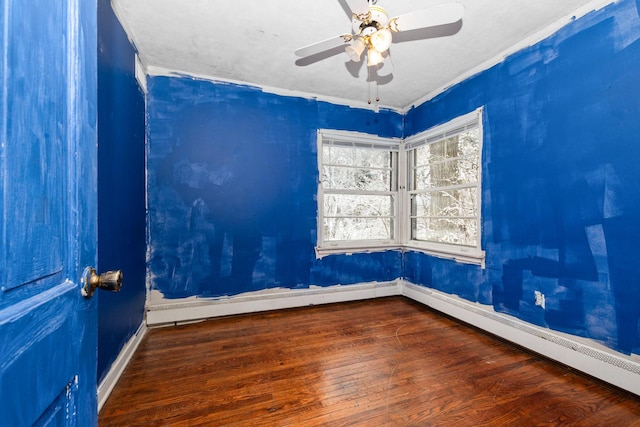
point(358, 195)
point(421, 193)
point(444, 200)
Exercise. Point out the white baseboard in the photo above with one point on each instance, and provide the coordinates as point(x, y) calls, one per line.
point(276, 299)
point(117, 368)
point(599, 363)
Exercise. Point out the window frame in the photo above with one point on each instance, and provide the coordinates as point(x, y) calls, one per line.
point(401, 192)
point(468, 254)
point(364, 141)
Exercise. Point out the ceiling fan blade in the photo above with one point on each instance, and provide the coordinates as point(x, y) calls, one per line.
point(323, 45)
point(438, 15)
point(358, 7)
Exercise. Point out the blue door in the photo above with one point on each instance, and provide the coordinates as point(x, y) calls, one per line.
point(48, 212)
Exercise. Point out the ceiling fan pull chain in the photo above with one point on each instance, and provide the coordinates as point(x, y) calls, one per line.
point(377, 87)
point(377, 106)
point(369, 83)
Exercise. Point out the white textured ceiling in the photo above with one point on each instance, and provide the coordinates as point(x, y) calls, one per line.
point(253, 42)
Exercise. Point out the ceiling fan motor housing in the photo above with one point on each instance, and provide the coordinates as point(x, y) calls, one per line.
point(376, 18)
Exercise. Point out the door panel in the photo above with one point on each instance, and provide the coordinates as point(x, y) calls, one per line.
point(48, 212)
point(43, 369)
point(63, 408)
point(36, 136)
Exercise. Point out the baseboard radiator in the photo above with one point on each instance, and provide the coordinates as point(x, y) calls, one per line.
point(599, 363)
point(194, 309)
point(583, 355)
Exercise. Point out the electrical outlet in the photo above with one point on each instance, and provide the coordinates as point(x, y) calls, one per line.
point(539, 299)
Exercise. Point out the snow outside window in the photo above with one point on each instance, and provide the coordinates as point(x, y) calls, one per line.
point(358, 192)
point(443, 189)
point(423, 193)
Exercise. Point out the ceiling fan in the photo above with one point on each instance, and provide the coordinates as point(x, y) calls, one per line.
point(372, 30)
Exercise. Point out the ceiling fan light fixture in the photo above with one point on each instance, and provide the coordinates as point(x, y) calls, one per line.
point(355, 49)
point(372, 30)
point(381, 39)
point(374, 57)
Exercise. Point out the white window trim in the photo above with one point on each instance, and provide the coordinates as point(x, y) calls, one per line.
point(466, 254)
point(362, 140)
point(402, 232)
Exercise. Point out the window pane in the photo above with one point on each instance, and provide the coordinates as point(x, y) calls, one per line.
point(452, 203)
point(358, 205)
point(436, 152)
point(336, 177)
point(456, 231)
point(445, 174)
point(468, 169)
point(469, 143)
point(422, 178)
point(440, 213)
point(350, 156)
point(358, 229)
point(421, 155)
point(420, 204)
point(449, 162)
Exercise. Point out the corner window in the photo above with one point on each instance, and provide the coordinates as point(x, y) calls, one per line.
point(443, 189)
point(421, 194)
point(357, 195)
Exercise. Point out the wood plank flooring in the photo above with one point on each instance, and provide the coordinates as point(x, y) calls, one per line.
point(383, 362)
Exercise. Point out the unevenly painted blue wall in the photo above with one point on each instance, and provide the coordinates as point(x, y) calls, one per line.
point(561, 181)
point(232, 183)
point(232, 179)
point(121, 187)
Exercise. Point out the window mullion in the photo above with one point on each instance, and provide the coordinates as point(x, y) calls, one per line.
point(363, 192)
point(402, 217)
point(444, 188)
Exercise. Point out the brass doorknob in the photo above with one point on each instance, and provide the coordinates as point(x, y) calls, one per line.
point(109, 281)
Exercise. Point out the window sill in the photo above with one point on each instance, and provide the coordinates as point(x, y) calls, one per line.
point(469, 256)
point(349, 250)
point(464, 255)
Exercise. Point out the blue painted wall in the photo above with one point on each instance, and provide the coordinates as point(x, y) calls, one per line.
point(561, 193)
point(233, 176)
point(232, 183)
point(121, 187)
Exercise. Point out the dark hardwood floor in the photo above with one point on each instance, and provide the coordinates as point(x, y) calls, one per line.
point(384, 362)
